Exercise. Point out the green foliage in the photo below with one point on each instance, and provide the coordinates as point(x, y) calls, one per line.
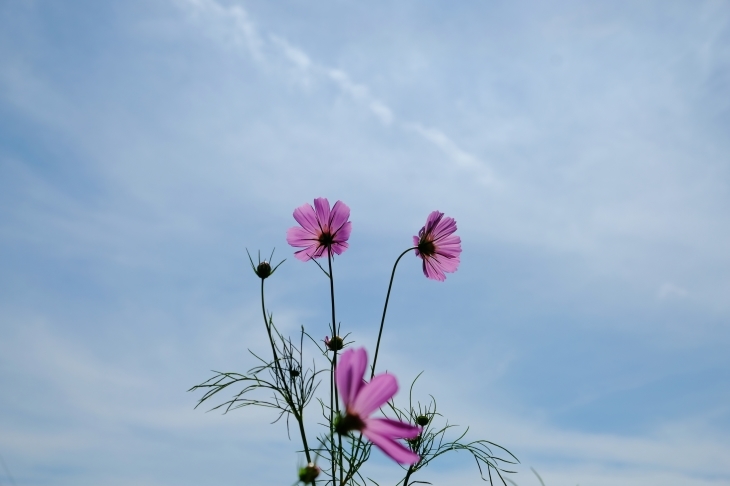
point(432, 442)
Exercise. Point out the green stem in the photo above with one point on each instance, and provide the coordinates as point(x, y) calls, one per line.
point(333, 390)
point(332, 421)
point(385, 309)
point(380, 333)
point(277, 366)
point(408, 475)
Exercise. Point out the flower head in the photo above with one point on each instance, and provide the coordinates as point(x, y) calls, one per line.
point(438, 246)
point(361, 399)
point(321, 230)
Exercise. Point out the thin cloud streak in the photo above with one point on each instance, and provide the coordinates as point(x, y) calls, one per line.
point(244, 32)
point(237, 19)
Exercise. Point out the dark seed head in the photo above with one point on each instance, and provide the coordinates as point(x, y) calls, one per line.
point(326, 239)
point(426, 248)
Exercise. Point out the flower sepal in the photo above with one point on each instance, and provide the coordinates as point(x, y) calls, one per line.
point(334, 344)
point(263, 269)
point(344, 424)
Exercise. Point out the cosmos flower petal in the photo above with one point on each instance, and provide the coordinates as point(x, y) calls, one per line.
point(306, 217)
point(448, 254)
point(445, 227)
point(343, 234)
point(374, 394)
point(447, 264)
point(301, 238)
point(449, 243)
point(305, 254)
point(380, 432)
point(339, 248)
point(322, 207)
point(392, 429)
point(349, 373)
point(432, 270)
point(433, 220)
point(338, 218)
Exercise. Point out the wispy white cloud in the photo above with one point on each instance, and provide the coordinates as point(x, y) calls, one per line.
point(361, 93)
point(236, 19)
point(211, 141)
point(295, 55)
point(228, 23)
point(460, 157)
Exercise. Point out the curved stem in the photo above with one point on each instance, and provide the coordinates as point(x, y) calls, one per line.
point(385, 309)
point(277, 366)
point(380, 333)
point(268, 331)
point(408, 475)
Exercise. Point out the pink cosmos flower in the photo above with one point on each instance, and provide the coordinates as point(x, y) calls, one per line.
point(362, 399)
point(438, 246)
point(321, 229)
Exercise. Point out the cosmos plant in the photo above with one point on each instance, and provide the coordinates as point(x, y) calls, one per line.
point(356, 411)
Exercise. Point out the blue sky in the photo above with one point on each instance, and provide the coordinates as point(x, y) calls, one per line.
point(581, 147)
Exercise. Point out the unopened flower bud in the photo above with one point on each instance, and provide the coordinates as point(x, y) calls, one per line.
point(422, 420)
point(334, 344)
point(263, 270)
point(309, 473)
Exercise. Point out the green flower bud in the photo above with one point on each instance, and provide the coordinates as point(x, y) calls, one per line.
point(309, 473)
point(422, 420)
point(263, 270)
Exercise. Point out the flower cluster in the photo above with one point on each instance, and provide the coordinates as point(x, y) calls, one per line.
point(356, 410)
